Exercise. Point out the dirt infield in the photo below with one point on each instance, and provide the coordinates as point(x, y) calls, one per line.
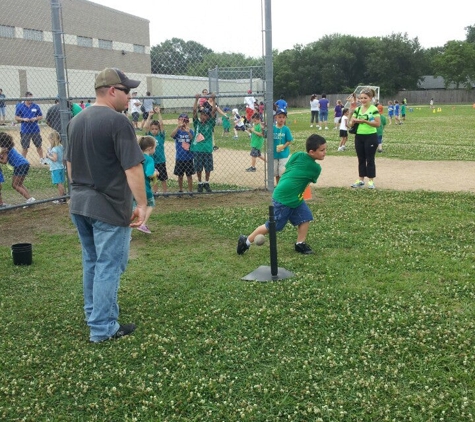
point(341, 171)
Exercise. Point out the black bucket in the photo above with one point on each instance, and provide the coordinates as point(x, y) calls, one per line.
point(22, 253)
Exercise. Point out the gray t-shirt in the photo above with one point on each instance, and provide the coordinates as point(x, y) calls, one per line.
point(101, 145)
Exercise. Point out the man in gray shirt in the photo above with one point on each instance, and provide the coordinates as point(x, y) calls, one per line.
point(104, 165)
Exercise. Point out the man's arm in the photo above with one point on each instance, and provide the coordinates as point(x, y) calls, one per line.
point(136, 182)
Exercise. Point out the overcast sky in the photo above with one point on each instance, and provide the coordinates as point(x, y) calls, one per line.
point(236, 26)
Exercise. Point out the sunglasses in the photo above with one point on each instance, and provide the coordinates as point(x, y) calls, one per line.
point(124, 90)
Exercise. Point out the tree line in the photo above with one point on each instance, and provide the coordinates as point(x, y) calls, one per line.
point(334, 63)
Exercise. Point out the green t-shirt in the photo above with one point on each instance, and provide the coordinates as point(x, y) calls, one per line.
point(364, 129)
point(380, 129)
point(300, 170)
point(75, 109)
point(148, 171)
point(282, 135)
point(257, 141)
point(226, 122)
point(206, 130)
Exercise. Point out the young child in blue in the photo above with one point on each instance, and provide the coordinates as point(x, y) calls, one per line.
point(202, 145)
point(390, 112)
point(8, 154)
point(287, 198)
point(183, 137)
point(156, 130)
point(397, 112)
point(148, 145)
point(54, 155)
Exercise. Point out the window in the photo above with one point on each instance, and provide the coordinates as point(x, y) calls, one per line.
point(7, 31)
point(32, 34)
point(105, 44)
point(139, 48)
point(84, 41)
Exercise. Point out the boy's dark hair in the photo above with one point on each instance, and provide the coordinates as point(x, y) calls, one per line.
point(146, 142)
point(155, 123)
point(256, 116)
point(314, 142)
point(6, 141)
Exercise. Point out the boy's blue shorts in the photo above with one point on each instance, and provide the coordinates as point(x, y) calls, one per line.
point(296, 216)
point(1, 177)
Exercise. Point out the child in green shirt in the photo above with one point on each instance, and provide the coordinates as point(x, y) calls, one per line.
point(289, 205)
point(257, 141)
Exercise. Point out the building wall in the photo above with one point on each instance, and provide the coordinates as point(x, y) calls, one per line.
point(127, 34)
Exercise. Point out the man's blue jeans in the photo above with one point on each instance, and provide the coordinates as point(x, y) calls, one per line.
point(105, 253)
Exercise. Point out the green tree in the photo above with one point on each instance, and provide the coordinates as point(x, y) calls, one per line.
point(173, 57)
point(470, 34)
point(456, 64)
point(394, 63)
point(233, 64)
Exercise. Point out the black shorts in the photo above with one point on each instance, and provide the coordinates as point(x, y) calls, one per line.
point(184, 167)
point(135, 116)
point(162, 171)
point(145, 115)
point(25, 139)
point(343, 133)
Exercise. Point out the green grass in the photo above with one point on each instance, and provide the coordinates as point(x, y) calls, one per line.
point(378, 325)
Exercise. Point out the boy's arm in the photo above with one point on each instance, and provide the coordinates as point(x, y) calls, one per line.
point(214, 107)
point(195, 106)
point(158, 112)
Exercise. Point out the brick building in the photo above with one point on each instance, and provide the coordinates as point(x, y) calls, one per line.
point(95, 37)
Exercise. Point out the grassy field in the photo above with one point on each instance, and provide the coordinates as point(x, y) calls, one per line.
point(378, 325)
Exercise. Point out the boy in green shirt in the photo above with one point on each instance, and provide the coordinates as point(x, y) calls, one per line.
point(289, 205)
point(257, 141)
point(202, 145)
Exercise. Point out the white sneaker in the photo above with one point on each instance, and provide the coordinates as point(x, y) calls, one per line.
point(30, 200)
point(319, 128)
point(311, 125)
point(358, 184)
point(340, 149)
point(44, 161)
point(326, 128)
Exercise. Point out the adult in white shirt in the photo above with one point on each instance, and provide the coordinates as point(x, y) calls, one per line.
point(314, 110)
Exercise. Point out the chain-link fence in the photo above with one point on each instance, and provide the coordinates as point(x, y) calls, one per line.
point(50, 59)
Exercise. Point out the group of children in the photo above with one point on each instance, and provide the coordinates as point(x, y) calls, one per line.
point(20, 166)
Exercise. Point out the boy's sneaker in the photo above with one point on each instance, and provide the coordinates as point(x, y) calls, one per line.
point(44, 161)
point(144, 229)
point(215, 148)
point(251, 169)
point(358, 184)
point(207, 188)
point(30, 200)
point(371, 185)
point(340, 149)
point(200, 187)
point(303, 248)
point(242, 246)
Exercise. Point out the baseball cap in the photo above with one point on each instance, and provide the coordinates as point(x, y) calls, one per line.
point(281, 111)
point(183, 116)
point(112, 76)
